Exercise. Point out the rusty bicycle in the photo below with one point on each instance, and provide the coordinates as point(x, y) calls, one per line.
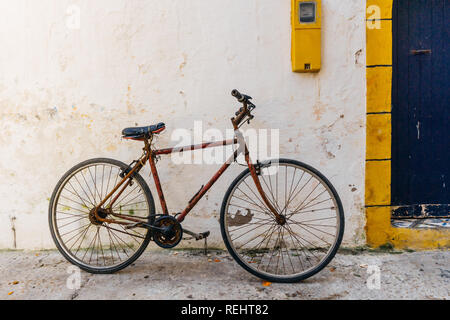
point(281, 220)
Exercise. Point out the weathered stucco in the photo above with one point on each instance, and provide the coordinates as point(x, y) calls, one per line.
point(66, 93)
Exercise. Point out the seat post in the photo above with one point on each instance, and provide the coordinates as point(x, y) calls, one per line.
point(148, 144)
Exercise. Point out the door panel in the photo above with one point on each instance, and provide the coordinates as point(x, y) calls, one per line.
point(420, 110)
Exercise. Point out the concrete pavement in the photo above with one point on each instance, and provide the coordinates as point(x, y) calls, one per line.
point(353, 274)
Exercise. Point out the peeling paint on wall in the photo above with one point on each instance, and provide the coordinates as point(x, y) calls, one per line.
point(421, 223)
point(13, 228)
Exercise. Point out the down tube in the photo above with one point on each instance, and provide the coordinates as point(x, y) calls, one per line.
point(208, 186)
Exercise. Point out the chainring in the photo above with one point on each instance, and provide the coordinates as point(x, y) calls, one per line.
point(172, 234)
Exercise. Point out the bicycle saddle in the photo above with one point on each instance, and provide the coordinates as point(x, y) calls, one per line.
point(140, 132)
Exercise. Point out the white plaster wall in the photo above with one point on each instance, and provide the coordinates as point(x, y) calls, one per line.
point(65, 96)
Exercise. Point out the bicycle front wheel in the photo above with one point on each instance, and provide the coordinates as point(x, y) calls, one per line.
point(95, 246)
point(297, 249)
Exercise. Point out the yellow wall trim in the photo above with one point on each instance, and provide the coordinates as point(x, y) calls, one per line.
point(378, 183)
point(379, 133)
point(379, 48)
point(385, 8)
point(380, 232)
point(379, 89)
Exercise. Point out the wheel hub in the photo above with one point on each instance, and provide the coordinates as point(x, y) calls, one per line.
point(281, 219)
point(102, 213)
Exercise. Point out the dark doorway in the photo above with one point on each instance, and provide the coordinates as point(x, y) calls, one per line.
point(420, 110)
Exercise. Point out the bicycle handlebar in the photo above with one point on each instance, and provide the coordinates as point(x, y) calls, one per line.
point(242, 98)
point(245, 110)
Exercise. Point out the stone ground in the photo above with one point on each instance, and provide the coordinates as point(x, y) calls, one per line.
point(192, 275)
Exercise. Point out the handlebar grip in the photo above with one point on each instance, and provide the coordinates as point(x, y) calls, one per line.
point(237, 95)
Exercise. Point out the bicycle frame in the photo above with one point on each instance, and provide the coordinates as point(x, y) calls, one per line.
point(151, 156)
point(199, 195)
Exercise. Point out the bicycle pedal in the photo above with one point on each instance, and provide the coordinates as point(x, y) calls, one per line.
point(197, 236)
point(205, 235)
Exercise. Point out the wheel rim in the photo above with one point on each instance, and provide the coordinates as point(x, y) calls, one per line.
point(80, 235)
point(299, 247)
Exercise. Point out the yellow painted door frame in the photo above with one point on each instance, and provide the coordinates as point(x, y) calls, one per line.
point(379, 230)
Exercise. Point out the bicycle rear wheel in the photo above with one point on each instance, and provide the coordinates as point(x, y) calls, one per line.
point(94, 246)
point(288, 252)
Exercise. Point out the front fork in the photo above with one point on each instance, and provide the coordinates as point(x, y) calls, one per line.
point(281, 220)
point(255, 175)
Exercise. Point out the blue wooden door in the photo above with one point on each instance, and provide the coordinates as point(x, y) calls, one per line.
point(420, 110)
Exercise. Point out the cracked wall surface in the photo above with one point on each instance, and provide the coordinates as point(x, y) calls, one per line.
point(66, 93)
